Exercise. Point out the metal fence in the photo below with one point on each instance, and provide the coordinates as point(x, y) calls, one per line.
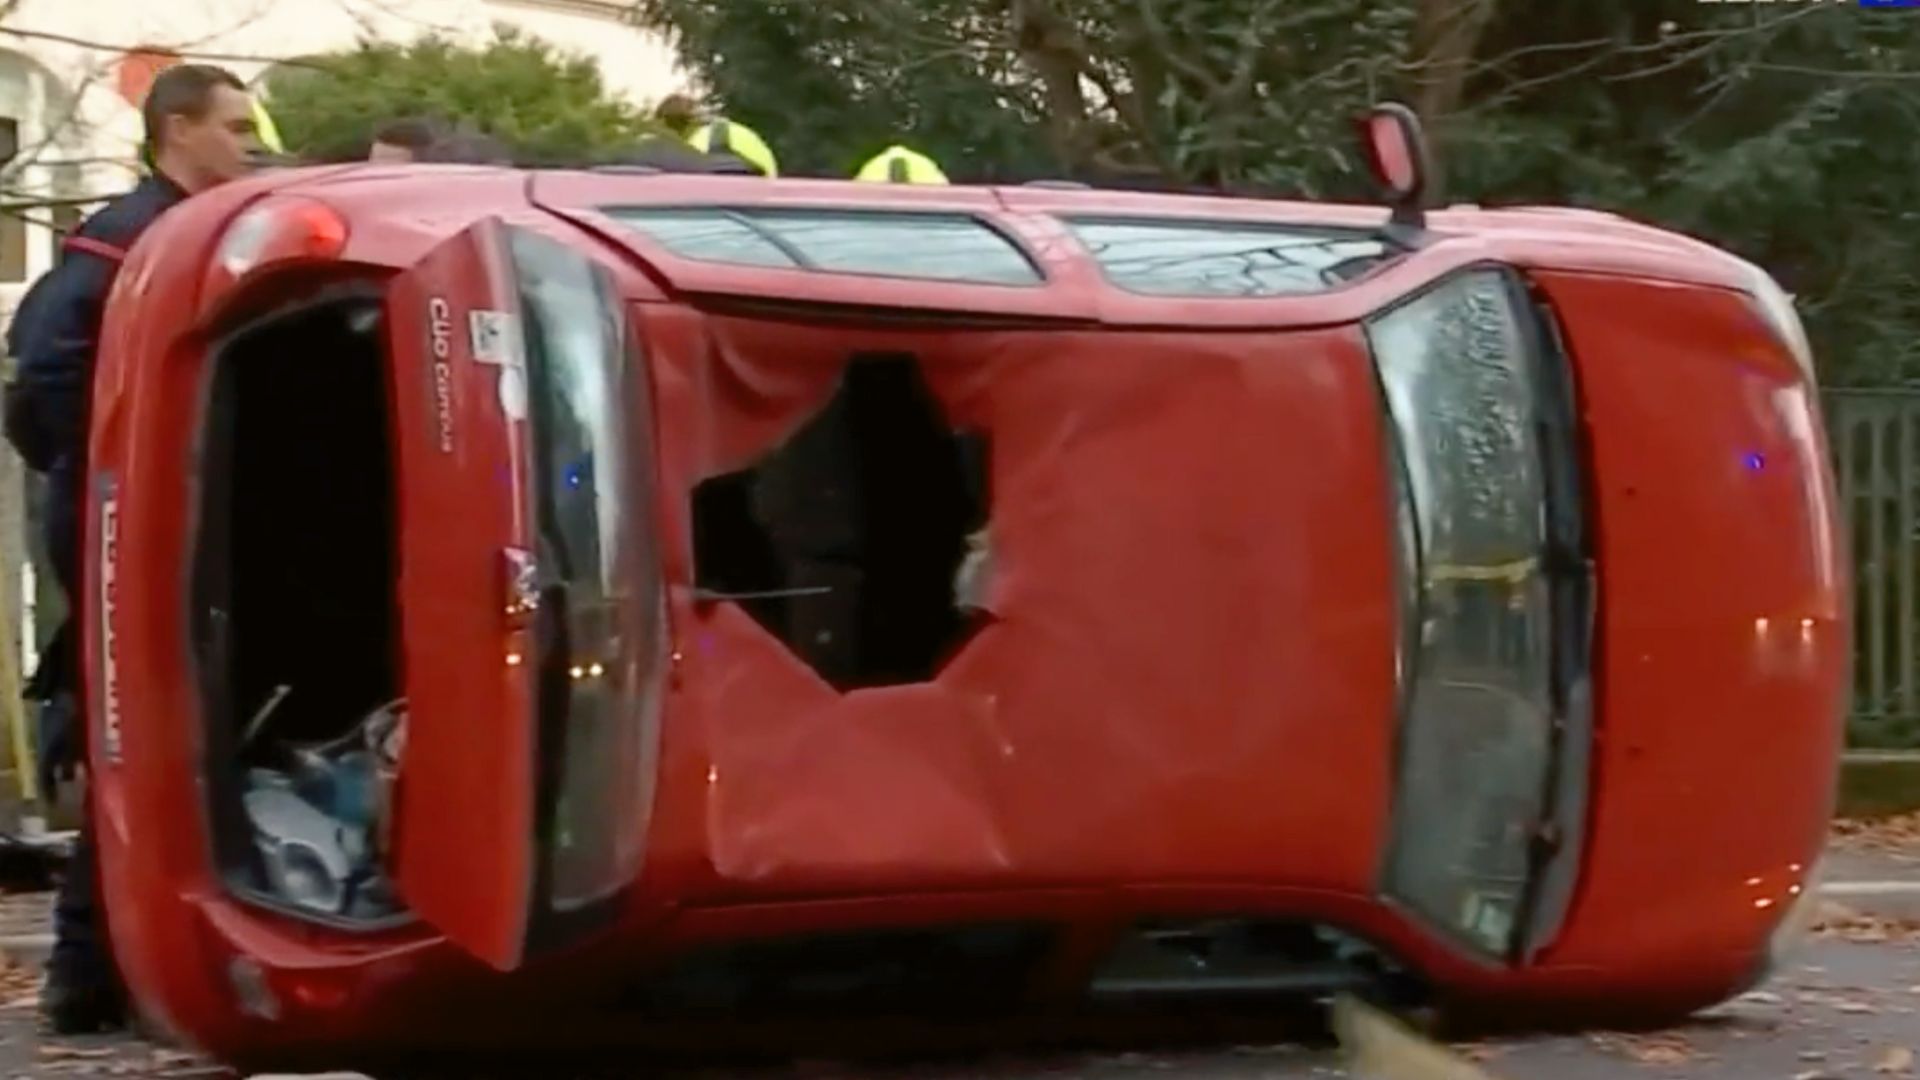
point(1876, 448)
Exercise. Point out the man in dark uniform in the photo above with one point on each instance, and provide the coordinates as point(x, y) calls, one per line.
point(199, 133)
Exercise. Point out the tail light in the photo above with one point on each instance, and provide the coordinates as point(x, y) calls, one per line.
point(275, 232)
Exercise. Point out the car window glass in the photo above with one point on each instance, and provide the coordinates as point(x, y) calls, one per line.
point(1458, 385)
point(592, 487)
point(940, 247)
point(1225, 259)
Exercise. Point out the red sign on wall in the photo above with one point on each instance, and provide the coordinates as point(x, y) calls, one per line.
point(137, 70)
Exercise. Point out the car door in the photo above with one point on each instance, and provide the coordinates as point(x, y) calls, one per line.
point(532, 615)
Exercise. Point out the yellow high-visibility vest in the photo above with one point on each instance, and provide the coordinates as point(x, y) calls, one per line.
point(730, 137)
point(899, 165)
point(265, 130)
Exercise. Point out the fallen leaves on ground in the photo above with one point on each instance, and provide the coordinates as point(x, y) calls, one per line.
point(60, 1052)
point(1842, 922)
point(1661, 1049)
point(1894, 1060)
point(1900, 832)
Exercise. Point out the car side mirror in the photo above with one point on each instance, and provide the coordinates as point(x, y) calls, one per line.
point(1396, 150)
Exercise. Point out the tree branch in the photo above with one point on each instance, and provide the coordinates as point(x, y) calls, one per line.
point(184, 52)
point(1446, 36)
point(1162, 40)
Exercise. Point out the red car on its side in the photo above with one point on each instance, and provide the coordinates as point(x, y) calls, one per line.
point(522, 604)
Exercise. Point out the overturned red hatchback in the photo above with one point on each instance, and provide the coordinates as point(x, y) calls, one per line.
point(524, 604)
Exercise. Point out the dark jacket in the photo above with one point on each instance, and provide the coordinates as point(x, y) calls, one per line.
point(55, 343)
point(674, 156)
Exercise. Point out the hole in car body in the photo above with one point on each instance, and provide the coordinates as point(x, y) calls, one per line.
point(295, 609)
point(860, 541)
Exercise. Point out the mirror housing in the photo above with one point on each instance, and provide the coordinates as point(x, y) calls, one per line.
point(1395, 146)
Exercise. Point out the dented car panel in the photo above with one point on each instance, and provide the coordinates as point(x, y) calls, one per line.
point(643, 591)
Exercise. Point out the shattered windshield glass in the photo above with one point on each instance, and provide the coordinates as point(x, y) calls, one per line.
point(1459, 386)
point(1226, 259)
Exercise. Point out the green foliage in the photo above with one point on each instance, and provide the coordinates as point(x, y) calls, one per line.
point(1789, 132)
point(545, 104)
point(998, 88)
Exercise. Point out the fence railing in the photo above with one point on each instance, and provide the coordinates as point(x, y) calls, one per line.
point(1875, 436)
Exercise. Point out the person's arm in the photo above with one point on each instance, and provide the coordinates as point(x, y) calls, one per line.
point(56, 357)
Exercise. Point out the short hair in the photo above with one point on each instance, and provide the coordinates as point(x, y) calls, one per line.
point(413, 132)
point(183, 90)
point(466, 148)
point(677, 111)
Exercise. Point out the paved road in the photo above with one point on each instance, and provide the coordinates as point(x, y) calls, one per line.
point(1849, 1011)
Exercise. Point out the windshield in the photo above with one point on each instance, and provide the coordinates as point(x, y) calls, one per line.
point(1477, 736)
point(600, 585)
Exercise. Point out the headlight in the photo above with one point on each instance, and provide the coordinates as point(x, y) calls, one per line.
point(1777, 308)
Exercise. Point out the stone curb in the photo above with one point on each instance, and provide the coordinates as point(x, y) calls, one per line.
point(27, 950)
point(1880, 899)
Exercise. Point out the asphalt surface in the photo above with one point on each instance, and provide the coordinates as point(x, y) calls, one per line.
point(1849, 1010)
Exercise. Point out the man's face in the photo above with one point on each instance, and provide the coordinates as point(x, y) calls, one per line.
point(217, 146)
point(390, 154)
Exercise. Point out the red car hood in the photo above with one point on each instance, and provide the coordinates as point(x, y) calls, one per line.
point(1190, 671)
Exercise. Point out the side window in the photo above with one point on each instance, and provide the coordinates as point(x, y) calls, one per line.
point(932, 246)
point(1165, 257)
point(592, 492)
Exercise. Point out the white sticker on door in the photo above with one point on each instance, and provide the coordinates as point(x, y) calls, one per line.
point(513, 392)
point(495, 337)
point(109, 496)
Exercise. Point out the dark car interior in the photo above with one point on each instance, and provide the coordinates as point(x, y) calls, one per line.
point(844, 541)
point(295, 615)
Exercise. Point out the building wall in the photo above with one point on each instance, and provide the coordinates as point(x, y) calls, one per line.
point(61, 63)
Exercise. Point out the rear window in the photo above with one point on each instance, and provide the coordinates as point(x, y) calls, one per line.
point(936, 247)
point(1224, 258)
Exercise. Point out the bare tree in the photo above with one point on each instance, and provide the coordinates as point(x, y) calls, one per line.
point(64, 140)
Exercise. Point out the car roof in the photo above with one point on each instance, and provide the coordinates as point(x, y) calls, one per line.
point(434, 198)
